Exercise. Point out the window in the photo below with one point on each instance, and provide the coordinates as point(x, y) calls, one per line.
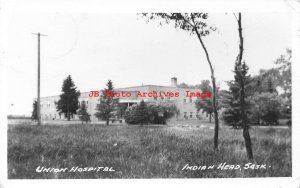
point(155, 98)
point(191, 114)
point(184, 100)
point(191, 100)
point(185, 116)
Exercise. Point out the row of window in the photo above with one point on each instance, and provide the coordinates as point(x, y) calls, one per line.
point(48, 105)
point(191, 115)
point(57, 116)
point(50, 116)
point(169, 98)
point(162, 98)
point(191, 100)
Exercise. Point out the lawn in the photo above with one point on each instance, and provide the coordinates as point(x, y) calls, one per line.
point(144, 152)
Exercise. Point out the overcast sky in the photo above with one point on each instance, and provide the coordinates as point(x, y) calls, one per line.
point(95, 47)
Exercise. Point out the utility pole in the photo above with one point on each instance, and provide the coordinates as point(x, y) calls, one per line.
point(39, 82)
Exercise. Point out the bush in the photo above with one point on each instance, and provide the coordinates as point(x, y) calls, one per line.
point(152, 112)
point(137, 114)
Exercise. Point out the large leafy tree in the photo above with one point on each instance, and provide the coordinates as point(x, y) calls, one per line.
point(280, 77)
point(68, 103)
point(205, 104)
point(34, 115)
point(285, 67)
point(277, 80)
point(285, 82)
point(109, 104)
point(266, 81)
point(185, 86)
point(194, 23)
point(266, 108)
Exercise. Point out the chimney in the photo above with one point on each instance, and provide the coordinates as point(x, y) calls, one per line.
point(174, 82)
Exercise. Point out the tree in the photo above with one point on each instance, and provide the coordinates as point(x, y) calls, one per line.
point(82, 113)
point(277, 80)
point(205, 104)
point(183, 85)
point(142, 113)
point(266, 81)
point(241, 76)
point(68, 103)
point(285, 82)
point(138, 114)
point(34, 115)
point(285, 79)
point(194, 23)
point(109, 104)
point(231, 99)
point(266, 108)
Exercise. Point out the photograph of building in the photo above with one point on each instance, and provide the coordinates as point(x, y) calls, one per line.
point(206, 95)
point(186, 105)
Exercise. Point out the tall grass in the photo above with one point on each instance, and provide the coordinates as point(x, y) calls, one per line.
point(143, 152)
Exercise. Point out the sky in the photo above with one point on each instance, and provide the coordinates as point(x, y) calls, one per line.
point(94, 47)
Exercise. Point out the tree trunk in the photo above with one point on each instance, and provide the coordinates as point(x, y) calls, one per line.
point(215, 114)
point(245, 125)
point(210, 118)
point(213, 80)
point(68, 114)
point(248, 143)
point(107, 121)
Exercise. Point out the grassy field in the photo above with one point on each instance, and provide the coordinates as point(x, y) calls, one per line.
point(144, 152)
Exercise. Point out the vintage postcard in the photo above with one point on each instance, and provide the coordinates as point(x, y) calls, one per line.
point(99, 94)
